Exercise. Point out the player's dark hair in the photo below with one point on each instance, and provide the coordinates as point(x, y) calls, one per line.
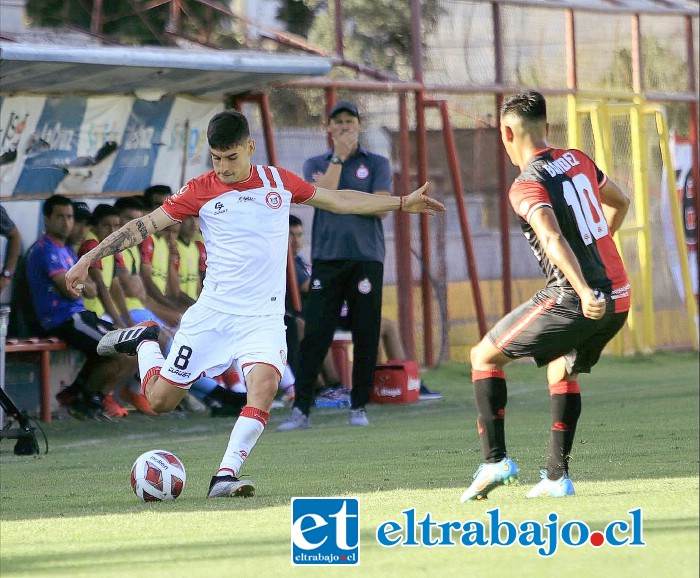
point(529, 106)
point(227, 129)
point(155, 190)
point(127, 203)
point(101, 211)
point(55, 201)
point(294, 221)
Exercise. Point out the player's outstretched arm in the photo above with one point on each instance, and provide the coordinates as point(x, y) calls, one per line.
point(133, 233)
point(357, 203)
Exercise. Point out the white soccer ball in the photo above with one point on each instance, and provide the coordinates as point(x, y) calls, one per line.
point(158, 475)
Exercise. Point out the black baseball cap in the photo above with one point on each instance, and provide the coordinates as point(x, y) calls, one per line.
point(344, 105)
point(81, 211)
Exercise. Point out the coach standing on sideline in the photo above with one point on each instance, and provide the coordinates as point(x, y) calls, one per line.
point(347, 253)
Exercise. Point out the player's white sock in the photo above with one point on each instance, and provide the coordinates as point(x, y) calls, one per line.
point(150, 359)
point(249, 425)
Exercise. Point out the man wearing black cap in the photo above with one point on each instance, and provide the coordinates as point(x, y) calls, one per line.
point(348, 255)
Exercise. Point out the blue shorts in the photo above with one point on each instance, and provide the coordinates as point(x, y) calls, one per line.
point(140, 315)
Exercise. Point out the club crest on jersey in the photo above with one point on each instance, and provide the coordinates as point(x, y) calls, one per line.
point(316, 284)
point(362, 172)
point(364, 286)
point(273, 200)
point(219, 208)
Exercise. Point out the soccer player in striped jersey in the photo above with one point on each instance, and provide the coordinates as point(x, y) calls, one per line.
point(568, 210)
point(243, 212)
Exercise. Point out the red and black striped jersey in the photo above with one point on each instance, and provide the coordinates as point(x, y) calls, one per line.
point(569, 182)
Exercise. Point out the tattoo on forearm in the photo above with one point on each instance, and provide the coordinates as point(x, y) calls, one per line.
point(142, 229)
point(117, 241)
point(153, 223)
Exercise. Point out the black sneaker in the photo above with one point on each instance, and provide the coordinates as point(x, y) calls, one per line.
point(425, 394)
point(230, 487)
point(127, 340)
point(87, 406)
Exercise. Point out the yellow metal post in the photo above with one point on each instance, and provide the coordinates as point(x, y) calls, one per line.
point(573, 122)
point(641, 207)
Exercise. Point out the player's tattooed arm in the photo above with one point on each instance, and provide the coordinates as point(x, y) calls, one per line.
point(153, 223)
point(133, 233)
point(142, 229)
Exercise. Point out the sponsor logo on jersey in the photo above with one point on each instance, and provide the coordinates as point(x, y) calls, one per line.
point(273, 200)
point(283, 355)
point(364, 286)
point(178, 372)
point(219, 208)
point(362, 172)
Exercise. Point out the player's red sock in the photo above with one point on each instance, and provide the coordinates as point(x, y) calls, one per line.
point(566, 409)
point(491, 395)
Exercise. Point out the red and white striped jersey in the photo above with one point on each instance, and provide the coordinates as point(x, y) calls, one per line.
point(245, 227)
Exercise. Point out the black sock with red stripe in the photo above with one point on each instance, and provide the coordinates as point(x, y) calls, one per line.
point(566, 409)
point(491, 395)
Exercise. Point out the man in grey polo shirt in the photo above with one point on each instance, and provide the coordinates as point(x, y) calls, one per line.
point(347, 253)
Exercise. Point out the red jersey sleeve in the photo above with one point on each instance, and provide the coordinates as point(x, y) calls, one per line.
point(202, 256)
point(119, 261)
point(146, 249)
point(89, 245)
point(300, 189)
point(182, 204)
point(527, 196)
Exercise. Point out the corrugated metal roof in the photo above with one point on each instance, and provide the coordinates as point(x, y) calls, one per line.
point(668, 7)
point(47, 69)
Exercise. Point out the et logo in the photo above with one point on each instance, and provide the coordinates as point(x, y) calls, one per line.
point(325, 531)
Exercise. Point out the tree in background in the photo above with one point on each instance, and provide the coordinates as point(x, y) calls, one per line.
point(128, 23)
point(377, 33)
point(664, 71)
point(299, 15)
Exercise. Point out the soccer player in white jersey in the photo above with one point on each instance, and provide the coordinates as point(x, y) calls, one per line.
point(243, 211)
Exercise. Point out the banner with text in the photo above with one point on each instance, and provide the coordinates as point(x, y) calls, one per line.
point(100, 145)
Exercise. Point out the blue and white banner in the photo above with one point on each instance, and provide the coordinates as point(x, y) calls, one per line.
point(100, 145)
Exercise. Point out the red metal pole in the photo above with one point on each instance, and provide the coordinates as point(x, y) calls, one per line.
point(422, 153)
point(504, 218)
point(96, 20)
point(264, 103)
point(338, 5)
point(453, 163)
point(503, 212)
point(426, 289)
point(402, 238)
point(331, 97)
point(693, 131)
point(571, 67)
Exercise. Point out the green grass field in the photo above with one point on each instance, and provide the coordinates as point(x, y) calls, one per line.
point(72, 512)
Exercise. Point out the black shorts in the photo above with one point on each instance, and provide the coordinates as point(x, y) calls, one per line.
point(83, 331)
point(551, 325)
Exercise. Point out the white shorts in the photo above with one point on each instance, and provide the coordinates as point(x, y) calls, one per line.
point(209, 341)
